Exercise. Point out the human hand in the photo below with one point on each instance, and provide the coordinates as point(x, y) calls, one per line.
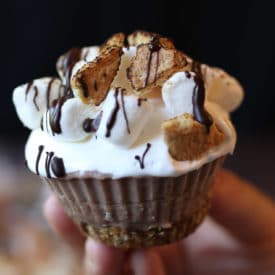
point(237, 238)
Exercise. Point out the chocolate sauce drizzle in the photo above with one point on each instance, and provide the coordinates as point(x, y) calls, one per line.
point(124, 111)
point(34, 98)
point(154, 46)
point(28, 89)
point(41, 124)
point(58, 168)
point(48, 163)
point(70, 58)
point(199, 112)
point(48, 93)
point(56, 164)
point(55, 115)
point(112, 119)
point(141, 159)
point(30, 84)
point(91, 125)
point(139, 101)
point(40, 150)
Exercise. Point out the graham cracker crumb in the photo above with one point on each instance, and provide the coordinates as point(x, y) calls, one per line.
point(92, 82)
point(188, 139)
point(116, 40)
point(153, 65)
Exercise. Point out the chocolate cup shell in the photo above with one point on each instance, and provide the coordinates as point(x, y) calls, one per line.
point(138, 212)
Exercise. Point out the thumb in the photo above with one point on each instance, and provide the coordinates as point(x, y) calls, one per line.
point(242, 209)
point(146, 262)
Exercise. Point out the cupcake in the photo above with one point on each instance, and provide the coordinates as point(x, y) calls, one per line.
point(129, 137)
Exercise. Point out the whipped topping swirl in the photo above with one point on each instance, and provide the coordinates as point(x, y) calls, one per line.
point(122, 135)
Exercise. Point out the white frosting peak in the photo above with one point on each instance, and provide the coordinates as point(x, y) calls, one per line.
point(177, 93)
point(222, 88)
point(122, 136)
point(31, 100)
point(129, 120)
point(73, 116)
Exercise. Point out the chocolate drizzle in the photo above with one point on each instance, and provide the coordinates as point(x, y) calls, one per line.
point(40, 150)
point(58, 168)
point(188, 75)
point(30, 84)
point(124, 111)
point(48, 93)
point(88, 126)
point(70, 58)
point(139, 101)
point(28, 89)
point(41, 124)
point(91, 125)
point(154, 46)
point(48, 163)
point(56, 164)
point(141, 159)
point(199, 112)
point(55, 115)
point(34, 98)
point(112, 119)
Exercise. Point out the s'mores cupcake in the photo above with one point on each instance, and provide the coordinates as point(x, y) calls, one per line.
point(129, 137)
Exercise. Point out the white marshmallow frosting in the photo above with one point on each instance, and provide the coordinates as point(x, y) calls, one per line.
point(111, 139)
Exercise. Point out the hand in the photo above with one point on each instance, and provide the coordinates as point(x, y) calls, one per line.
point(237, 238)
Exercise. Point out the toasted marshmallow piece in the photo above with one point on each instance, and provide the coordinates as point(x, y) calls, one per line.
point(87, 54)
point(222, 88)
point(124, 117)
point(73, 115)
point(32, 99)
point(121, 79)
point(177, 93)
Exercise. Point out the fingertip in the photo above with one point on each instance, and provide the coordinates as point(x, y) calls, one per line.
point(51, 208)
point(101, 259)
point(62, 225)
point(146, 262)
point(57, 218)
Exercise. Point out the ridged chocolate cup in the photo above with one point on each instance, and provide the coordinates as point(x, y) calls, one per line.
point(138, 212)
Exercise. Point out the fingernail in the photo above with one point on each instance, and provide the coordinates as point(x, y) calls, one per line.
point(137, 261)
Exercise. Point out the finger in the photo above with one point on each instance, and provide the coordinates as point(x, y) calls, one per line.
point(62, 224)
point(242, 209)
point(101, 259)
point(147, 262)
point(172, 257)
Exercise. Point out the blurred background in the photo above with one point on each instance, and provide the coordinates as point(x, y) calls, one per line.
point(235, 35)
